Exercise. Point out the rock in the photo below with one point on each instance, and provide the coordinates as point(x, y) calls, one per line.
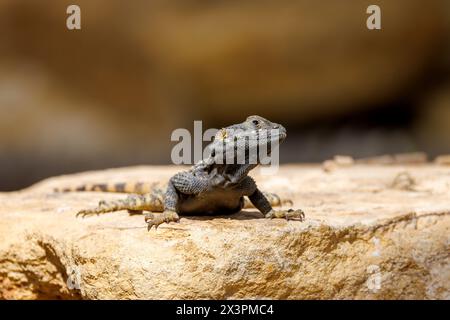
point(338, 161)
point(361, 240)
point(344, 160)
point(388, 159)
point(329, 165)
point(403, 181)
point(443, 160)
point(399, 158)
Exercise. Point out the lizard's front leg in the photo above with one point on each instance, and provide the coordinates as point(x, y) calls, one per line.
point(169, 214)
point(258, 199)
point(183, 182)
point(262, 204)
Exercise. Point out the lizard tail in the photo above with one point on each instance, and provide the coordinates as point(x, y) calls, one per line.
point(133, 187)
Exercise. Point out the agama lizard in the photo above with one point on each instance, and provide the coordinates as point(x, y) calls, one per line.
point(213, 186)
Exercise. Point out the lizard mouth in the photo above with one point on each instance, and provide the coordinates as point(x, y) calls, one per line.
point(279, 133)
point(282, 134)
point(259, 136)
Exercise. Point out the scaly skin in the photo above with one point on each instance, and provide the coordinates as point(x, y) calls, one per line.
point(212, 186)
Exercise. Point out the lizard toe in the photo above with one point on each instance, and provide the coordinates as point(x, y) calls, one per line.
point(83, 213)
point(164, 217)
point(295, 215)
point(149, 216)
point(287, 214)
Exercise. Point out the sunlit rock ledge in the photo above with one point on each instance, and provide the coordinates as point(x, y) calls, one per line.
point(366, 236)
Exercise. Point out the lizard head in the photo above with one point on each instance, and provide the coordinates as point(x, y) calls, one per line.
point(246, 139)
point(263, 126)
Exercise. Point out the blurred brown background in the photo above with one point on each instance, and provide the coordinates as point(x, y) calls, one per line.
point(110, 94)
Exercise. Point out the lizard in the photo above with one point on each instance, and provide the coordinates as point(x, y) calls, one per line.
point(213, 186)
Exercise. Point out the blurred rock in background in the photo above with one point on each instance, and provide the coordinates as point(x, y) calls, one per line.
point(112, 93)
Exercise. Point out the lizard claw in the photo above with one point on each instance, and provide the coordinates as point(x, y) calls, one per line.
point(82, 213)
point(85, 213)
point(295, 214)
point(88, 212)
point(288, 215)
point(156, 220)
point(151, 221)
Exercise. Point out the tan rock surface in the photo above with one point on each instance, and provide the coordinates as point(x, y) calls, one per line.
point(363, 237)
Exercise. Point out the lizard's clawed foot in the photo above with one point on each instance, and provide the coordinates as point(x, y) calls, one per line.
point(101, 208)
point(156, 220)
point(86, 212)
point(82, 213)
point(287, 214)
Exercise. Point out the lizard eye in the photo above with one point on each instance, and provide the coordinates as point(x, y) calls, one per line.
point(255, 122)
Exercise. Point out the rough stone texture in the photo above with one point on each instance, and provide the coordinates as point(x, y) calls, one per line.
point(361, 230)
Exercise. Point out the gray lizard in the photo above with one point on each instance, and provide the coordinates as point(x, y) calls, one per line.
point(216, 185)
